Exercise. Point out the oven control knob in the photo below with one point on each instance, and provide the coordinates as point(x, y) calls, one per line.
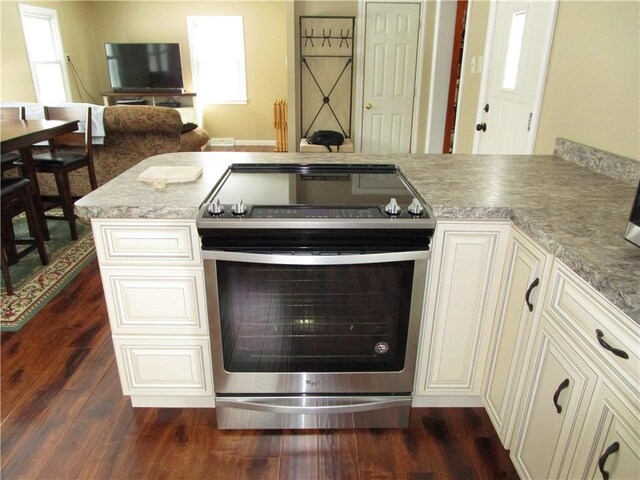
point(415, 208)
point(392, 207)
point(239, 208)
point(216, 208)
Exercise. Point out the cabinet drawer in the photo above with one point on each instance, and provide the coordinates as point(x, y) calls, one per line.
point(585, 312)
point(156, 301)
point(153, 366)
point(146, 242)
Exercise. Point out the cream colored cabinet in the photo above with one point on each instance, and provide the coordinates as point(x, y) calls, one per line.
point(467, 261)
point(611, 338)
point(557, 398)
point(154, 289)
point(610, 443)
point(595, 347)
point(520, 306)
point(163, 366)
point(156, 301)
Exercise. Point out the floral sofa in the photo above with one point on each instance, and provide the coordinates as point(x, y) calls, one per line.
point(132, 133)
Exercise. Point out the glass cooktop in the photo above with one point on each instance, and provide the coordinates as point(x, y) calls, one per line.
point(312, 191)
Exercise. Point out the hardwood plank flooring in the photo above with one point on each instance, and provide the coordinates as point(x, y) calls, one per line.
point(64, 416)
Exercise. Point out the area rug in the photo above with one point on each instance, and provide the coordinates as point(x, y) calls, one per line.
point(35, 284)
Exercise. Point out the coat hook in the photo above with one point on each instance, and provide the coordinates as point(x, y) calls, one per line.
point(344, 38)
point(308, 38)
point(326, 38)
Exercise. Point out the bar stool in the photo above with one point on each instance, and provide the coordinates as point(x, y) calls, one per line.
point(16, 198)
point(76, 153)
point(7, 160)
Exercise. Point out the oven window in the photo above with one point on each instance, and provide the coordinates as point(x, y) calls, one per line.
point(285, 318)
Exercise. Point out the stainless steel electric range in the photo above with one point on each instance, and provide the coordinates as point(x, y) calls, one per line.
point(315, 278)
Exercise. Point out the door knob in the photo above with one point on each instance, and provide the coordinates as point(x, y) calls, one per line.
point(367, 106)
point(481, 126)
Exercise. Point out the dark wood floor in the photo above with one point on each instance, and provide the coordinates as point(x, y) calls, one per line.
point(64, 416)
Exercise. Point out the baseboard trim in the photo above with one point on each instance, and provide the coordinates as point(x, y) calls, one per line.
point(222, 142)
point(256, 143)
point(232, 142)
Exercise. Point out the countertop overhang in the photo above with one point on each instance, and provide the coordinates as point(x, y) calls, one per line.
point(576, 214)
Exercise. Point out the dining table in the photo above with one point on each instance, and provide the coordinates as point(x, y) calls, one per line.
point(21, 135)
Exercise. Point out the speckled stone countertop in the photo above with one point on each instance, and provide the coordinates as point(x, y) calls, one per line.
point(576, 214)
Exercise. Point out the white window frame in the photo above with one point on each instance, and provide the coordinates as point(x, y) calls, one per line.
point(192, 24)
point(52, 16)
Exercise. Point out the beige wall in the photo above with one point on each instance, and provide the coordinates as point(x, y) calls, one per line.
point(591, 96)
point(592, 90)
point(265, 50)
point(86, 26)
point(593, 83)
point(75, 22)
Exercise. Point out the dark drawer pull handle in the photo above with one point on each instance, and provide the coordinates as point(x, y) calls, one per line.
point(533, 285)
point(606, 346)
point(613, 448)
point(561, 387)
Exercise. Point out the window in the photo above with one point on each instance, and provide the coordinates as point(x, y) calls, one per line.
point(46, 55)
point(514, 49)
point(217, 58)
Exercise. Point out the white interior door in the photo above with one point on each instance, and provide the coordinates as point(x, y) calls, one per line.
point(390, 58)
point(513, 80)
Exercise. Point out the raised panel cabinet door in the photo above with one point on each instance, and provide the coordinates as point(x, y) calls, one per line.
point(463, 293)
point(520, 305)
point(164, 366)
point(156, 301)
point(131, 242)
point(557, 397)
point(610, 443)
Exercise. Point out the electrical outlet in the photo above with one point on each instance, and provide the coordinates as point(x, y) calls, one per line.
point(67, 57)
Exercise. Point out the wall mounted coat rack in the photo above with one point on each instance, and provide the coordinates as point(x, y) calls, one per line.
point(326, 79)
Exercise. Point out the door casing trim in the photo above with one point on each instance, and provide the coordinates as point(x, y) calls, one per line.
point(542, 78)
point(359, 72)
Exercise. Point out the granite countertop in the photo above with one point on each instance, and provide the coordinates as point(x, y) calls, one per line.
point(576, 214)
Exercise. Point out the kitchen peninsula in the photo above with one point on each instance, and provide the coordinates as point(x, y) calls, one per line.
point(576, 214)
point(518, 218)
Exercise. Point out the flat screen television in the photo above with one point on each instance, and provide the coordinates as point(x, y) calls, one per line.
point(139, 67)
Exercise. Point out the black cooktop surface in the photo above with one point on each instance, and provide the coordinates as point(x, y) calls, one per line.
point(312, 191)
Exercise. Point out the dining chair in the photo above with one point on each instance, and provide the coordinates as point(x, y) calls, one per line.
point(15, 198)
point(67, 153)
point(7, 161)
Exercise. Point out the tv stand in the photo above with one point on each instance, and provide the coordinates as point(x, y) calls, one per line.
point(184, 102)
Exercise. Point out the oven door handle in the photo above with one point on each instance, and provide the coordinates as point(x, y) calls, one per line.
point(313, 405)
point(310, 259)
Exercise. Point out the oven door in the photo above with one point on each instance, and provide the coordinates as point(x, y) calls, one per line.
point(314, 324)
